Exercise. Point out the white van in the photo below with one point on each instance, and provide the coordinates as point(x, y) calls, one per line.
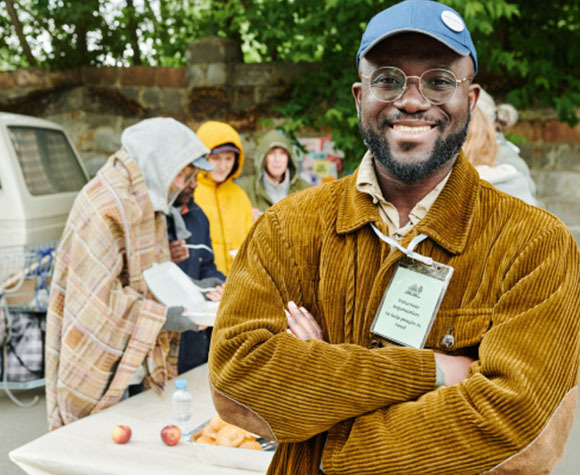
point(40, 175)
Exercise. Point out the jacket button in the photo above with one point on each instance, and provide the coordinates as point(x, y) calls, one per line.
point(448, 341)
point(375, 344)
point(201, 259)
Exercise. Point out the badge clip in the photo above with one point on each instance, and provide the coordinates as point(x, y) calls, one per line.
point(413, 297)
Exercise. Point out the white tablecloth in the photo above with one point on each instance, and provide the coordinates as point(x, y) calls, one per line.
point(86, 447)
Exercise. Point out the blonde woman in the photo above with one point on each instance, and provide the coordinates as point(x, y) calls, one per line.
point(481, 148)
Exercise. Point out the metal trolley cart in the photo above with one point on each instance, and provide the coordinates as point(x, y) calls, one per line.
point(25, 273)
point(41, 173)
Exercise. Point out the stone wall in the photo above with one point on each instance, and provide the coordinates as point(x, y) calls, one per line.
point(552, 151)
point(95, 105)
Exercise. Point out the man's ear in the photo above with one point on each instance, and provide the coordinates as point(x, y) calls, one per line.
point(357, 94)
point(474, 90)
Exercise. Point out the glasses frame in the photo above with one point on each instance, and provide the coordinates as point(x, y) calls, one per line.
point(189, 177)
point(404, 88)
point(194, 174)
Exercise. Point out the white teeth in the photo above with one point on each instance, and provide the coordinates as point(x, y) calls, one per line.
point(413, 130)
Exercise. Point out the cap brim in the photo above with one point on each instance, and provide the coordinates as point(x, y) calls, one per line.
point(203, 164)
point(224, 148)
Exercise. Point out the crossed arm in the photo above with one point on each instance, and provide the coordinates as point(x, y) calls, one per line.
point(298, 388)
point(381, 405)
point(304, 326)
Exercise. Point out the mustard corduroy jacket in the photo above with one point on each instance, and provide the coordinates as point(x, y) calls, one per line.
point(513, 304)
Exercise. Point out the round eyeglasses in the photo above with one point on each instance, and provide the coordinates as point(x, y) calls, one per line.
point(190, 173)
point(387, 84)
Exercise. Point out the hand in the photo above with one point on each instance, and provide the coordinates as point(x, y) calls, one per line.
point(256, 213)
point(215, 295)
point(302, 324)
point(455, 368)
point(177, 322)
point(178, 252)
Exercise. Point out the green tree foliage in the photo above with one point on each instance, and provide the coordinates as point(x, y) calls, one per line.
point(539, 55)
point(527, 48)
point(59, 32)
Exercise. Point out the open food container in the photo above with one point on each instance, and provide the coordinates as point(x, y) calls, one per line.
point(239, 457)
point(172, 287)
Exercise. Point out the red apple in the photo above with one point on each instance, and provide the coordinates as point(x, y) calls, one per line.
point(170, 435)
point(121, 434)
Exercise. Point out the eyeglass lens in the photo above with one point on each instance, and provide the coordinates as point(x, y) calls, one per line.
point(191, 173)
point(388, 84)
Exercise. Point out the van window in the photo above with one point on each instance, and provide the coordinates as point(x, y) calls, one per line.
point(47, 160)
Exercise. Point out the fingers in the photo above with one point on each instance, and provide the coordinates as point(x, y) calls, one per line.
point(213, 295)
point(177, 258)
point(176, 245)
point(313, 324)
point(216, 294)
point(302, 324)
point(178, 252)
point(256, 213)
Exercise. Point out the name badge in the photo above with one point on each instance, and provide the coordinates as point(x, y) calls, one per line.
point(412, 298)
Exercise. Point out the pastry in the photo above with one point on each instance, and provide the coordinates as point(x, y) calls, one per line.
point(219, 432)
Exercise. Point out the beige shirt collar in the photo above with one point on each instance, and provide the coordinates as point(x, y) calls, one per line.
point(368, 183)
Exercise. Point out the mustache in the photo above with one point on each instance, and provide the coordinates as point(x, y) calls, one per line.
point(419, 116)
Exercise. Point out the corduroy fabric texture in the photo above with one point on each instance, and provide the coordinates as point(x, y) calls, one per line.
point(102, 320)
point(513, 304)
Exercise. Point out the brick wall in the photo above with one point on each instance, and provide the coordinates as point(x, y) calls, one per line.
point(552, 152)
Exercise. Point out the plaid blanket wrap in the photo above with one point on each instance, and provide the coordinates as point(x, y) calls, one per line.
point(102, 321)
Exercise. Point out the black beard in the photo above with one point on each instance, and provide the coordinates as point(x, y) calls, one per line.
point(443, 151)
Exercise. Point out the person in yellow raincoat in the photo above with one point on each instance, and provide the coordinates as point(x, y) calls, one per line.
point(225, 204)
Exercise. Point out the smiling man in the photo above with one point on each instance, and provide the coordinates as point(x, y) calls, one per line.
point(413, 117)
point(433, 321)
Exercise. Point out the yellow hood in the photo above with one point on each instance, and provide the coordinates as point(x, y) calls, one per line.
point(213, 133)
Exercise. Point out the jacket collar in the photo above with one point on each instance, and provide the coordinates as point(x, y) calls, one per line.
point(204, 179)
point(448, 221)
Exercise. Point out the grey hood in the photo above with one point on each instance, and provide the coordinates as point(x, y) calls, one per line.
point(162, 147)
point(274, 138)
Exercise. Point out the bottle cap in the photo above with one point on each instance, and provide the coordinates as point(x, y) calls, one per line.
point(180, 383)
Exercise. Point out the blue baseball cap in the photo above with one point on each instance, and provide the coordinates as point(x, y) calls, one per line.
point(428, 17)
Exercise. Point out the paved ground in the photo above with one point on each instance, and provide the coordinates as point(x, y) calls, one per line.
point(21, 425)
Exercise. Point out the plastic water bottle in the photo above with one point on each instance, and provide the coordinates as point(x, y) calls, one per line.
point(181, 407)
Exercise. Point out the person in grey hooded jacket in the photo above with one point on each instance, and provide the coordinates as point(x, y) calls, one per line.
point(105, 331)
point(276, 173)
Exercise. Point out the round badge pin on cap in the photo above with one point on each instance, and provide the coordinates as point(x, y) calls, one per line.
point(452, 21)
